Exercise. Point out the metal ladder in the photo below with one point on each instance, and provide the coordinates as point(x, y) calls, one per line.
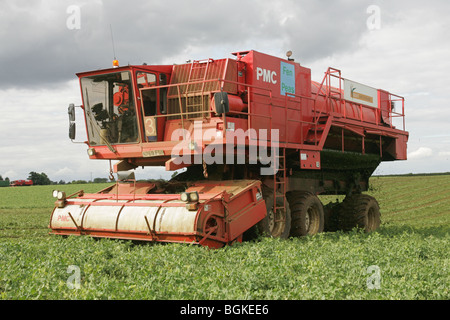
point(279, 180)
point(198, 72)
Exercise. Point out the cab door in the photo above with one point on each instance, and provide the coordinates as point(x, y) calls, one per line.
point(153, 104)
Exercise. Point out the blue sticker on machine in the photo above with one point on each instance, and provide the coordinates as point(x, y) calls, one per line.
point(287, 72)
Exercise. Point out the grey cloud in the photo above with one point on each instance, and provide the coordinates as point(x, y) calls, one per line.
point(41, 50)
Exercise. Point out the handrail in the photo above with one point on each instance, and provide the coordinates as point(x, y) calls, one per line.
point(337, 97)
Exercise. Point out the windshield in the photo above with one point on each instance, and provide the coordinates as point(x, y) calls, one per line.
point(109, 106)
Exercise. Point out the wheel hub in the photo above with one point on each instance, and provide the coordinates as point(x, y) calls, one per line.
point(307, 221)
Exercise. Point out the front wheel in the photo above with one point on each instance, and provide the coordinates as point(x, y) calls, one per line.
point(277, 222)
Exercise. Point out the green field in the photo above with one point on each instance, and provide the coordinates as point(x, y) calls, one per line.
point(407, 258)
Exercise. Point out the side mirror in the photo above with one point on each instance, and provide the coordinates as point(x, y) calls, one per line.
point(72, 131)
point(71, 112)
point(221, 102)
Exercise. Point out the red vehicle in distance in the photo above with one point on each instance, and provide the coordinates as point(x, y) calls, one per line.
point(18, 183)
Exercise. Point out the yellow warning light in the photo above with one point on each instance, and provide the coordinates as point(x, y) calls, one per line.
point(115, 63)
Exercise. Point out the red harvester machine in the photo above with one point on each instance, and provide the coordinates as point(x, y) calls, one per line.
point(257, 138)
point(19, 183)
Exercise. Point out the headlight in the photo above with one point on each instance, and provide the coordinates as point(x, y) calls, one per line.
point(91, 151)
point(193, 196)
point(189, 196)
point(55, 193)
point(184, 197)
point(61, 195)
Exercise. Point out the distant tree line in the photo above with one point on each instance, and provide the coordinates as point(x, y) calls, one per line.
point(414, 174)
point(43, 179)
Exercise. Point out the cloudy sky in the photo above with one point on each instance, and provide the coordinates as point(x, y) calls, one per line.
point(400, 46)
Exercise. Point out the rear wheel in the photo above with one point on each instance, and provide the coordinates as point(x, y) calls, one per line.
point(359, 211)
point(306, 212)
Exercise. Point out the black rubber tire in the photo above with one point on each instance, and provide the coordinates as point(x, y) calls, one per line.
point(275, 225)
point(307, 213)
point(331, 211)
point(359, 211)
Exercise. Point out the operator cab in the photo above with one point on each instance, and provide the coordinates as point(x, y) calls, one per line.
point(122, 105)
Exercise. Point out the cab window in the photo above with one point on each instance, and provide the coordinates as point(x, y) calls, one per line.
point(149, 97)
